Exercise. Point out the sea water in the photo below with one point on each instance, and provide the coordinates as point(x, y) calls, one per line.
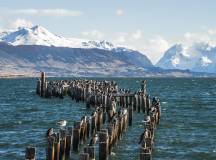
point(187, 129)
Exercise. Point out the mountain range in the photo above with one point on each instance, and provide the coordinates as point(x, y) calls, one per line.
point(27, 51)
point(199, 57)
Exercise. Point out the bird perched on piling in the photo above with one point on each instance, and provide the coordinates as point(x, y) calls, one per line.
point(141, 138)
point(62, 124)
point(83, 120)
point(124, 111)
point(147, 119)
point(94, 140)
point(49, 132)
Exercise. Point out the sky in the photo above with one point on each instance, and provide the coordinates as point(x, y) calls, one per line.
point(149, 26)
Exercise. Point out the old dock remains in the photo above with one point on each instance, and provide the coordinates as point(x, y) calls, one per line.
point(112, 115)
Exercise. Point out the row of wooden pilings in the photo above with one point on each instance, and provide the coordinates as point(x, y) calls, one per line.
point(152, 119)
point(104, 96)
point(94, 93)
point(60, 144)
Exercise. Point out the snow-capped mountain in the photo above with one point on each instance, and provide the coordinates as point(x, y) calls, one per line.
point(30, 50)
point(27, 51)
point(39, 35)
point(199, 57)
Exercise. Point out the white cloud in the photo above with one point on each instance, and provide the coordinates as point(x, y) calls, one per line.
point(94, 34)
point(47, 12)
point(137, 34)
point(212, 31)
point(207, 36)
point(120, 38)
point(153, 47)
point(20, 23)
point(119, 12)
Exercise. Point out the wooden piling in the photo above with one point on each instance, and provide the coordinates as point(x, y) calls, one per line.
point(130, 114)
point(43, 81)
point(62, 148)
point(68, 145)
point(50, 155)
point(30, 153)
point(103, 151)
point(91, 151)
point(57, 147)
point(93, 125)
point(145, 154)
point(103, 144)
point(84, 156)
point(76, 139)
point(88, 128)
point(38, 89)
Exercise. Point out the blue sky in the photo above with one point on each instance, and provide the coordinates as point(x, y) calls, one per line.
point(151, 26)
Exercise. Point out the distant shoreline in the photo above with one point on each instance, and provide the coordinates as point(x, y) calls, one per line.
point(92, 76)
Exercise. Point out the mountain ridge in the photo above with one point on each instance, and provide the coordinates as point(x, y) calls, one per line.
point(199, 57)
point(30, 50)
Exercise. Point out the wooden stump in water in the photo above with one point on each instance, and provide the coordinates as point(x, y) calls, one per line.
point(103, 144)
point(130, 115)
point(50, 155)
point(88, 128)
point(76, 139)
point(103, 150)
point(84, 156)
point(93, 125)
point(57, 147)
point(68, 145)
point(30, 153)
point(62, 149)
point(145, 154)
point(43, 81)
point(91, 151)
point(38, 90)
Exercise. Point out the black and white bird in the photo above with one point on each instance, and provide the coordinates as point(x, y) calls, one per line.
point(94, 140)
point(141, 138)
point(62, 124)
point(124, 111)
point(83, 120)
point(49, 132)
point(147, 119)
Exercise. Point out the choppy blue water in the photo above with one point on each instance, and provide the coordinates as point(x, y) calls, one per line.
point(187, 129)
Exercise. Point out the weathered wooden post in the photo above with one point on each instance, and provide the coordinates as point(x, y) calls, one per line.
point(43, 81)
point(130, 115)
point(144, 103)
point(145, 154)
point(148, 104)
point(135, 100)
point(50, 148)
point(76, 139)
point(62, 148)
point(143, 86)
point(84, 156)
point(38, 89)
point(30, 153)
point(68, 145)
point(99, 119)
point(104, 116)
point(110, 133)
point(103, 144)
point(138, 104)
point(91, 151)
point(69, 142)
point(93, 125)
point(57, 147)
point(88, 128)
